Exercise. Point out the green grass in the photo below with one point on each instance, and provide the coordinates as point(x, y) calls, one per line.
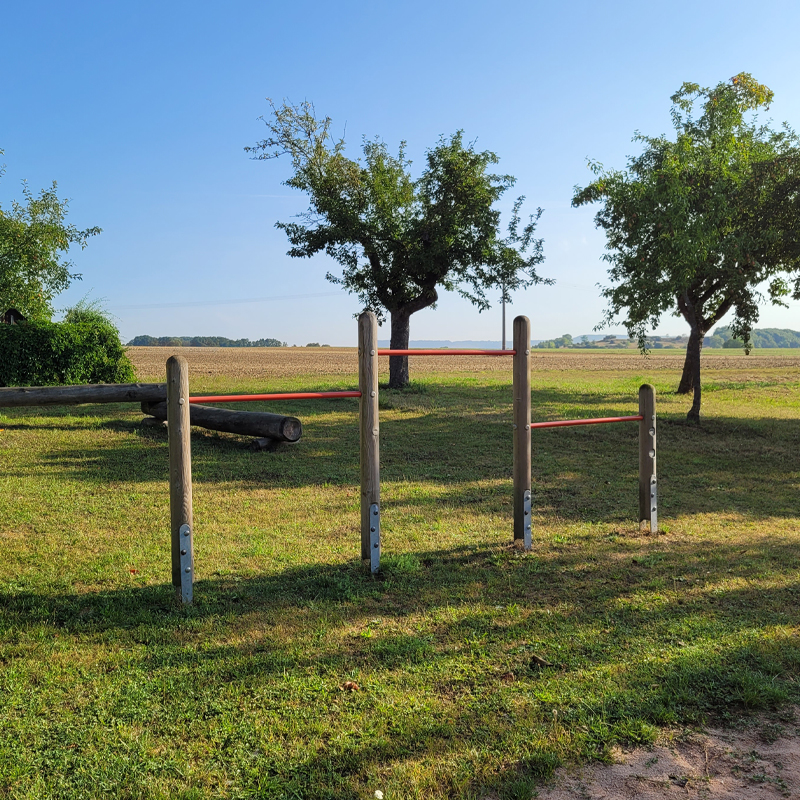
point(108, 689)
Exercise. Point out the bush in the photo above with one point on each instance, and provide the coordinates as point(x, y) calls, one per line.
point(48, 353)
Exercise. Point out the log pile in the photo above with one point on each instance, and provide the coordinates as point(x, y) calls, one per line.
point(267, 429)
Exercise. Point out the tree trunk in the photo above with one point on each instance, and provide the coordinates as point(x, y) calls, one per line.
point(398, 365)
point(690, 380)
point(691, 364)
point(693, 358)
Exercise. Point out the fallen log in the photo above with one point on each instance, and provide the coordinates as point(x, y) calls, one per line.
point(91, 393)
point(260, 424)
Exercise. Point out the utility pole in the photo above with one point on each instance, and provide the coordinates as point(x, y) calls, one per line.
point(504, 318)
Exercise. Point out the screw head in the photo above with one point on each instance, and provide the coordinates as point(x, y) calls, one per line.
point(188, 569)
point(183, 552)
point(372, 529)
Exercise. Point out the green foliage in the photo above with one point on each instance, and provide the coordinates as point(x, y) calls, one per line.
point(695, 225)
point(90, 312)
point(761, 338)
point(33, 240)
point(201, 341)
point(561, 341)
point(47, 353)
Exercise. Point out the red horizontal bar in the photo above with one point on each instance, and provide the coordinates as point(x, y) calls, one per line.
point(563, 423)
point(446, 352)
point(243, 398)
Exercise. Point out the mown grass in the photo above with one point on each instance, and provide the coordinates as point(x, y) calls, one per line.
point(108, 689)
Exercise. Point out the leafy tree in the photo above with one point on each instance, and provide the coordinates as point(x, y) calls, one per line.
point(33, 239)
point(695, 225)
point(400, 240)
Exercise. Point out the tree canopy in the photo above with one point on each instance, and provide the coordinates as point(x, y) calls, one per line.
point(33, 241)
point(400, 240)
point(697, 224)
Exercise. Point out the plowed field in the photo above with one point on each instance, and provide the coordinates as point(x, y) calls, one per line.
point(282, 362)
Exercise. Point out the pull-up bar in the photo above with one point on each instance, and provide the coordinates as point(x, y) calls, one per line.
point(447, 352)
point(244, 398)
point(565, 423)
point(178, 400)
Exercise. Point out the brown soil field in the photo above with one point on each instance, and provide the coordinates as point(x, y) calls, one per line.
point(282, 362)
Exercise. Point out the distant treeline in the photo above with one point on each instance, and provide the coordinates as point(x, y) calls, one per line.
point(761, 337)
point(721, 337)
point(200, 341)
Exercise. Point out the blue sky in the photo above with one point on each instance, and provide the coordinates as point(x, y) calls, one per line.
point(141, 112)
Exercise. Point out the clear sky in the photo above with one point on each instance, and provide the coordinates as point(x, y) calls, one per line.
point(141, 112)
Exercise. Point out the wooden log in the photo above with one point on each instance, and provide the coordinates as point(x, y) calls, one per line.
point(370, 440)
point(259, 424)
point(522, 432)
point(92, 393)
point(180, 477)
point(648, 486)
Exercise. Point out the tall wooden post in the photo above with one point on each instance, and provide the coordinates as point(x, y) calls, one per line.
point(648, 487)
point(180, 477)
point(370, 441)
point(522, 432)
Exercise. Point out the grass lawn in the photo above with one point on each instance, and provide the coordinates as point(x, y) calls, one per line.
point(467, 669)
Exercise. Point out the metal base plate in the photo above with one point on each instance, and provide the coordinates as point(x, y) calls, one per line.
point(374, 538)
point(187, 561)
point(526, 508)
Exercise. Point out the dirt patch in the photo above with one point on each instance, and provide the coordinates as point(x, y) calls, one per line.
point(758, 762)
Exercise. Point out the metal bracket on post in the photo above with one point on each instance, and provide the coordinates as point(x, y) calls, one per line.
point(374, 538)
point(526, 505)
point(187, 562)
point(653, 504)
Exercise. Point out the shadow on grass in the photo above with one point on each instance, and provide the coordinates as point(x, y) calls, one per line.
point(632, 642)
point(459, 437)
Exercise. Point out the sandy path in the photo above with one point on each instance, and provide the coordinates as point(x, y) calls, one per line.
point(758, 762)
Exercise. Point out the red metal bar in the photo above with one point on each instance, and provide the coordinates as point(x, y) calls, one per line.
point(446, 352)
point(243, 398)
point(563, 423)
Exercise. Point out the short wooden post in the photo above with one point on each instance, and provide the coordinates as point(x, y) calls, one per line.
point(180, 477)
point(522, 432)
point(648, 487)
point(370, 441)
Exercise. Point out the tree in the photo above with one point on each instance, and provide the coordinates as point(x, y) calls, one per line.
point(400, 240)
point(695, 225)
point(33, 237)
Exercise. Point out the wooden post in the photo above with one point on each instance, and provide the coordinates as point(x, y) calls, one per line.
point(648, 488)
point(180, 477)
point(370, 442)
point(522, 432)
